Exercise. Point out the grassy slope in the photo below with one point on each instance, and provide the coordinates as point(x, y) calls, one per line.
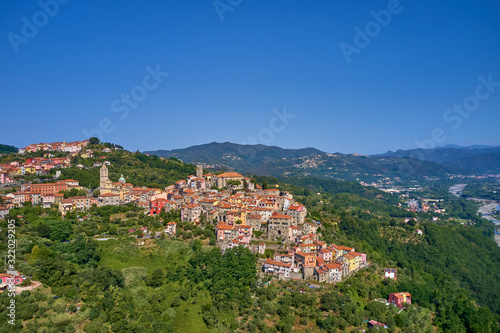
point(120, 255)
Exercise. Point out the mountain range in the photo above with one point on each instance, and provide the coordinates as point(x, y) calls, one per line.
point(279, 162)
point(475, 158)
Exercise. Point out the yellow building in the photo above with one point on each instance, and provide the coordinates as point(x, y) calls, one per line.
point(353, 261)
point(29, 170)
point(16, 172)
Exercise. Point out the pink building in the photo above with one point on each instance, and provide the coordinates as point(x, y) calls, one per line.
point(293, 233)
point(226, 232)
point(238, 241)
point(245, 232)
point(4, 178)
point(7, 279)
point(325, 254)
point(399, 299)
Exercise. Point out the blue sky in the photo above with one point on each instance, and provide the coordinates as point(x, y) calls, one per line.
point(225, 77)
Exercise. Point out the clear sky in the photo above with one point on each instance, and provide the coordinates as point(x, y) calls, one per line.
point(353, 84)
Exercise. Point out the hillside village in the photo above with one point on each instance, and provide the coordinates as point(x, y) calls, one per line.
point(243, 213)
point(292, 243)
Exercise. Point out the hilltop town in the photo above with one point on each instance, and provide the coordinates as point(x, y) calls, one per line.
point(242, 212)
point(180, 230)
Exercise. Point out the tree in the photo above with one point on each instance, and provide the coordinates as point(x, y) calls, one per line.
point(43, 230)
point(35, 252)
point(233, 182)
point(156, 279)
point(196, 245)
point(60, 230)
point(94, 141)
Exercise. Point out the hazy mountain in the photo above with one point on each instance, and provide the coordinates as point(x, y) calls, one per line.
point(478, 158)
point(278, 162)
point(487, 162)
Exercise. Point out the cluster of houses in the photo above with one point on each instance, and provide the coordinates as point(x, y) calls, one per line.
point(243, 212)
point(425, 205)
point(44, 194)
point(311, 259)
point(69, 147)
point(34, 166)
point(41, 165)
point(252, 213)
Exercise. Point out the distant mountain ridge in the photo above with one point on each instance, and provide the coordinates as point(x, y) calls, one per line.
point(279, 162)
point(476, 158)
point(232, 155)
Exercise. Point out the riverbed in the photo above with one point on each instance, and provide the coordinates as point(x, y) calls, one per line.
point(456, 190)
point(486, 208)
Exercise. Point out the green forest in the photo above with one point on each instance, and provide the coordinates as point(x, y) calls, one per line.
point(138, 169)
point(6, 149)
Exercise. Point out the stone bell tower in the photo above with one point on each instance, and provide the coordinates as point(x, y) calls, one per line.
point(104, 176)
point(199, 171)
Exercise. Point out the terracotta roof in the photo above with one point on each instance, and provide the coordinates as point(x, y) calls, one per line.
point(270, 261)
point(108, 195)
point(8, 275)
point(305, 254)
point(229, 175)
point(224, 227)
point(333, 265)
point(280, 216)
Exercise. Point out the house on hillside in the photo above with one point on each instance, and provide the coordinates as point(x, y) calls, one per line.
point(171, 228)
point(399, 299)
point(6, 279)
point(391, 273)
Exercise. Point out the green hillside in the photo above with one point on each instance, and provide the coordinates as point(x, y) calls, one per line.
point(137, 168)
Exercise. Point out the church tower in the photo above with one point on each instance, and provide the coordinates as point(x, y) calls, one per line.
point(104, 176)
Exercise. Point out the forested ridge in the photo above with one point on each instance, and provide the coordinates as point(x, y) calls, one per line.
point(138, 169)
